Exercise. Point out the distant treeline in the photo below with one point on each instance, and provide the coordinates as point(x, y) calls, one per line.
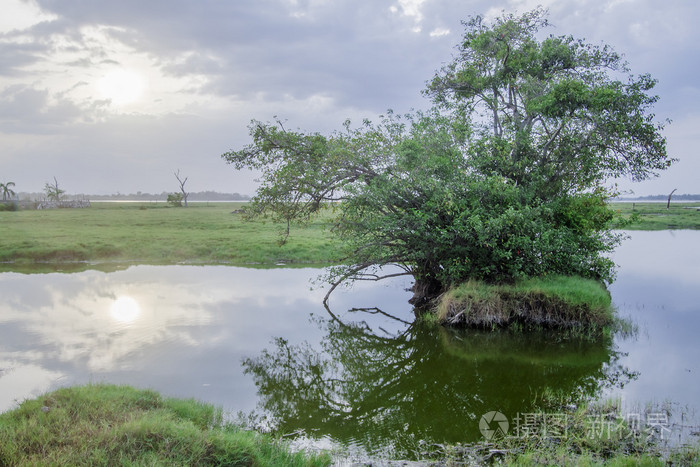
point(139, 196)
point(660, 198)
point(194, 196)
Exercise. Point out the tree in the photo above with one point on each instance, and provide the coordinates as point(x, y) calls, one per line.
point(175, 199)
point(550, 113)
point(182, 187)
point(7, 191)
point(53, 192)
point(668, 203)
point(504, 178)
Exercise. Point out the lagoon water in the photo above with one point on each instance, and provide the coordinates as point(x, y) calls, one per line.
point(260, 342)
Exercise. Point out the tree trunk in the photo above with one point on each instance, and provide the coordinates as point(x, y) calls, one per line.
point(424, 292)
point(668, 204)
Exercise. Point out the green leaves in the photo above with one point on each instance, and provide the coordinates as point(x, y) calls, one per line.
point(554, 103)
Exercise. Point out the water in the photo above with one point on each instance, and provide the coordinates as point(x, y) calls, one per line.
point(359, 374)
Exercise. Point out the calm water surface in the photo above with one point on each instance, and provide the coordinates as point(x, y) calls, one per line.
point(260, 342)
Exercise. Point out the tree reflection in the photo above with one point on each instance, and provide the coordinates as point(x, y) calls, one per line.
point(364, 386)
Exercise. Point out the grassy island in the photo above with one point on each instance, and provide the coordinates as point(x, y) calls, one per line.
point(555, 301)
point(120, 425)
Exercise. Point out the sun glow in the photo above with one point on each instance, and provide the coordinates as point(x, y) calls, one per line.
point(121, 86)
point(125, 309)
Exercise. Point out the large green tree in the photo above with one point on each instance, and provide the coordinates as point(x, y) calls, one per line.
point(503, 178)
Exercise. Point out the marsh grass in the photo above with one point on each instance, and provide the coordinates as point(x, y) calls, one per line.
point(655, 216)
point(552, 301)
point(159, 234)
point(120, 425)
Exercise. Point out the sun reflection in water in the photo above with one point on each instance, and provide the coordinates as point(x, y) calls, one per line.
point(125, 309)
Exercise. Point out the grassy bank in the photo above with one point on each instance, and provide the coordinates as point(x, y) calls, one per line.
point(153, 233)
point(556, 301)
point(655, 216)
point(119, 425)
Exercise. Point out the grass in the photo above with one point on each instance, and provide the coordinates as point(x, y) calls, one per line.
point(553, 301)
point(120, 425)
point(208, 233)
point(655, 216)
point(150, 233)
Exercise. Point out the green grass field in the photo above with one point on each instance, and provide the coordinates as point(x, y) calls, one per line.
point(209, 233)
point(150, 233)
point(655, 216)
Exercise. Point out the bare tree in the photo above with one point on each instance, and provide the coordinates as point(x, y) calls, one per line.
point(182, 186)
point(668, 204)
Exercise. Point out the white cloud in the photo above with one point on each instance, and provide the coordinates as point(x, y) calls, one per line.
point(439, 32)
point(413, 10)
point(18, 15)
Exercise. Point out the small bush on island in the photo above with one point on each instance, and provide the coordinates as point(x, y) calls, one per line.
point(119, 425)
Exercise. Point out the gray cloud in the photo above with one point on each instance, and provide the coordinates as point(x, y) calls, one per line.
point(313, 62)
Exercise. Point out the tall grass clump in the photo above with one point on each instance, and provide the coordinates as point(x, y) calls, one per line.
point(120, 425)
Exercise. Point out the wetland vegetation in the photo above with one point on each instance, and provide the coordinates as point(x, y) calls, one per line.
point(118, 425)
point(506, 216)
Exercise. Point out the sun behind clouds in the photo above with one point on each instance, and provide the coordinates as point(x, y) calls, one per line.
point(122, 86)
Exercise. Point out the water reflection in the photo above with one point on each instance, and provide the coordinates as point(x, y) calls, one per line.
point(125, 309)
point(365, 387)
point(366, 375)
point(658, 288)
point(171, 328)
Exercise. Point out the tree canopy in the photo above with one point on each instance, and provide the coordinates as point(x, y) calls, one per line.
point(504, 177)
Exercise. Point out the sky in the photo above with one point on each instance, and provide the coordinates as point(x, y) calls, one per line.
point(116, 96)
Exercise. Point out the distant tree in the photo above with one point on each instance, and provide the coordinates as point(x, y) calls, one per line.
point(668, 203)
point(53, 192)
point(182, 186)
point(7, 192)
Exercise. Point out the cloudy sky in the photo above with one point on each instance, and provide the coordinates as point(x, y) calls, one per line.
point(115, 96)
